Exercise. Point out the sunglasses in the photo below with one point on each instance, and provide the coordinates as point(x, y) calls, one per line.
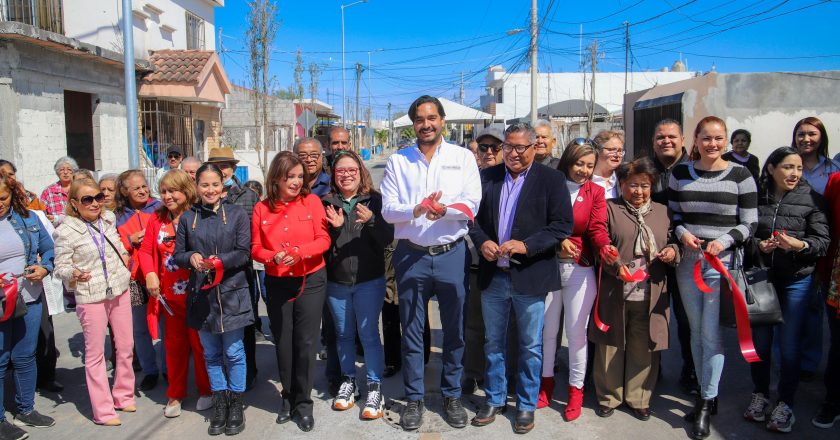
point(584, 141)
point(484, 147)
point(174, 156)
point(88, 200)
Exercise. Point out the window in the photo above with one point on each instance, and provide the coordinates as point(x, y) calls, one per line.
point(195, 32)
point(500, 97)
point(164, 124)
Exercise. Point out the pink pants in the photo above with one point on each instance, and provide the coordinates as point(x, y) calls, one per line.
point(94, 319)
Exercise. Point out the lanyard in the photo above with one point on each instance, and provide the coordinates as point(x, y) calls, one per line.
point(100, 246)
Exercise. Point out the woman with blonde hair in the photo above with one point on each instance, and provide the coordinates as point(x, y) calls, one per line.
point(88, 251)
point(164, 279)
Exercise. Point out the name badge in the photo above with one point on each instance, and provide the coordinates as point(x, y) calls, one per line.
point(451, 167)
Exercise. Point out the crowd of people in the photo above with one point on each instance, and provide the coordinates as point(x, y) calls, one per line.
point(516, 245)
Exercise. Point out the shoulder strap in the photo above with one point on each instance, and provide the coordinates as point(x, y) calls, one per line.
point(119, 254)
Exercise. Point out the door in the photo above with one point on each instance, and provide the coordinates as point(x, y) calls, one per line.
point(78, 122)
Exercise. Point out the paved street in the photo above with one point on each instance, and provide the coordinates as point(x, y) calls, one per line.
point(72, 411)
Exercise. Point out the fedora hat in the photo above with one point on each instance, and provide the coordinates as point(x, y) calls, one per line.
point(221, 154)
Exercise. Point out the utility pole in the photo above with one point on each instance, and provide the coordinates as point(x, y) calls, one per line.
point(370, 109)
point(593, 61)
point(390, 127)
point(461, 100)
point(356, 114)
point(626, 53)
point(534, 66)
point(130, 85)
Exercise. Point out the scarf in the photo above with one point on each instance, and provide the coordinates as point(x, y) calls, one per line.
point(833, 298)
point(644, 245)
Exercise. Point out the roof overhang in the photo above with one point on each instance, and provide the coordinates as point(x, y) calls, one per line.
point(211, 86)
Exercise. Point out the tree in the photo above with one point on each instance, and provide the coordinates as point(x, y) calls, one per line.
point(381, 136)
point(314, 74)
point(262, 29)
point(408, 133)
point(299, 75)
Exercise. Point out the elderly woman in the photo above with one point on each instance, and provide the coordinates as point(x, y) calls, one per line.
point(88, 251)
point(627, 352)
point(108, 186)
point(23, 239)
point(55, 196)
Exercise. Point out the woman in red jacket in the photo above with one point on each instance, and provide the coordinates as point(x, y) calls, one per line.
point(164, 277)
point(576, 255)
point(289, 236)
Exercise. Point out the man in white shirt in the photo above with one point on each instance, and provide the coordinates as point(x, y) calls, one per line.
point(431, 258)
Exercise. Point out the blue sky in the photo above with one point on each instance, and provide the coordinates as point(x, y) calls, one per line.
point(427, 44)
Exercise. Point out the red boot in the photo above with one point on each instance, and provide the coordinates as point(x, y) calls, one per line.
point(575, 403)
point(546, 391)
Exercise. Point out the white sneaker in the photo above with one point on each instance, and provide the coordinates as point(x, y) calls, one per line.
point(757, 411)
point(346, 394)
point(171, 411)
point(781, 419)
point(374, 407)
point(204, 403)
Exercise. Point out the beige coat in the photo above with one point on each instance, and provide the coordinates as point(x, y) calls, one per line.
point(622, 227)
point(75, 249)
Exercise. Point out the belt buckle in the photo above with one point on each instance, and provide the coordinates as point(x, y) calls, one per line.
point(436, 250)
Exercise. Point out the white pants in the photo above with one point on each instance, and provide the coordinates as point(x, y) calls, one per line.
point(576, 296)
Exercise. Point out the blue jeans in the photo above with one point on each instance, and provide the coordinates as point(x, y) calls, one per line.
point(529, 311)
point(353, 307)
point(143, 344)
point(221, 348)
point(421, 276)
point(795, 298)
point(703, 312)
point(18, 339)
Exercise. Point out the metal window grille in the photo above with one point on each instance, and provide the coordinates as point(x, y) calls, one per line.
point(166, 124)
point(195, 32)
point(44, 14)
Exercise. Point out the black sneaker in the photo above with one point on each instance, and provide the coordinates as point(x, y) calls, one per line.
point(34, 419)
point(827, 416)
point(11, 432)
point(456, 415)
point(412, 415)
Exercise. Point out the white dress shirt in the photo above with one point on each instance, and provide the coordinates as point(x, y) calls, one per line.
point(610, 185)
point(409, 178)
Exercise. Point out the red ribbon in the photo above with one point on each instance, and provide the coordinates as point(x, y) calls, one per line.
point(218, 270)
point(624, 275)
point(10, 291)
point(742, 317)
point(438, 208)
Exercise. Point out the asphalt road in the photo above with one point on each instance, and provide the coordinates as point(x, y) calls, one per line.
point(72, 412)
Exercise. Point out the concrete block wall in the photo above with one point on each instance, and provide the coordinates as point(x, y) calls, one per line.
point(212, 126)
point(32, 128)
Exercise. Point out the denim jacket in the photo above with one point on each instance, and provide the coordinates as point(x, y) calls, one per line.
point(36, 240)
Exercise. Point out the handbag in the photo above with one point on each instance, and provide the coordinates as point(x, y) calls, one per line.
point(762, 301)
point(11, 304)
point(138, 295)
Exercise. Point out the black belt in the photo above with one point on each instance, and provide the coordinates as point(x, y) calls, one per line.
point(436, 249)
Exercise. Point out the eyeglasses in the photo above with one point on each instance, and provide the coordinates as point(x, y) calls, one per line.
point(311, 156)
point(519, 148)
point(346, 171)
point(614, 152)
point(173, 156)
point(484, 147)
point(88, 200)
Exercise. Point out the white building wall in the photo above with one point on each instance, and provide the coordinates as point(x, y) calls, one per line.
point(556, 87)
point(158, 24)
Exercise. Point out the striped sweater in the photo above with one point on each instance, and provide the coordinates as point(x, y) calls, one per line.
point(713, 205)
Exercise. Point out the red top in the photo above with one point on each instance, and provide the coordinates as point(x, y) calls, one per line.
point(301, 223)
point(590, 213)
point(155, 256)
point(832, 201)
point(136, 223)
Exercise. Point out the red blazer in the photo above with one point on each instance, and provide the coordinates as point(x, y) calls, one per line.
point(149, 261)
point(832, 201)
point(301, 223)
point(590, 229)
point(136, 223)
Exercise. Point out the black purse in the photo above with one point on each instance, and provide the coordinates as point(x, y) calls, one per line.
point(755, 283)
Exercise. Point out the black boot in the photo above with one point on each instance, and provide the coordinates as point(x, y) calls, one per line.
point(702, 418)
point(220, 413)
point(690, 416)
point(236, 416)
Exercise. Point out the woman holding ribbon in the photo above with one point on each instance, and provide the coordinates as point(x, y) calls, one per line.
point(290, 236)
point(164, 279)
point(213, 240)
point(714, 210)
point(576, 255)
point(89, 252)
point(23, 240)
point(792, 233)
point(630, 323)
point(356, 276)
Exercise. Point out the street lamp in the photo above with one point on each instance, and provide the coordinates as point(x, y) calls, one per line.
point(343, 68)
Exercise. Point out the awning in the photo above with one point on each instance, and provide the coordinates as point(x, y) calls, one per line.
point(187, 76)
point(658, 102)
point(455, 113)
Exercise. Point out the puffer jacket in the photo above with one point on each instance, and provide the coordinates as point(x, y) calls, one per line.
point(357, 252)
point(802, 213)
point(225, 233)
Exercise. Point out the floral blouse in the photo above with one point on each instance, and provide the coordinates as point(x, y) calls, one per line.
point(173, 280)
